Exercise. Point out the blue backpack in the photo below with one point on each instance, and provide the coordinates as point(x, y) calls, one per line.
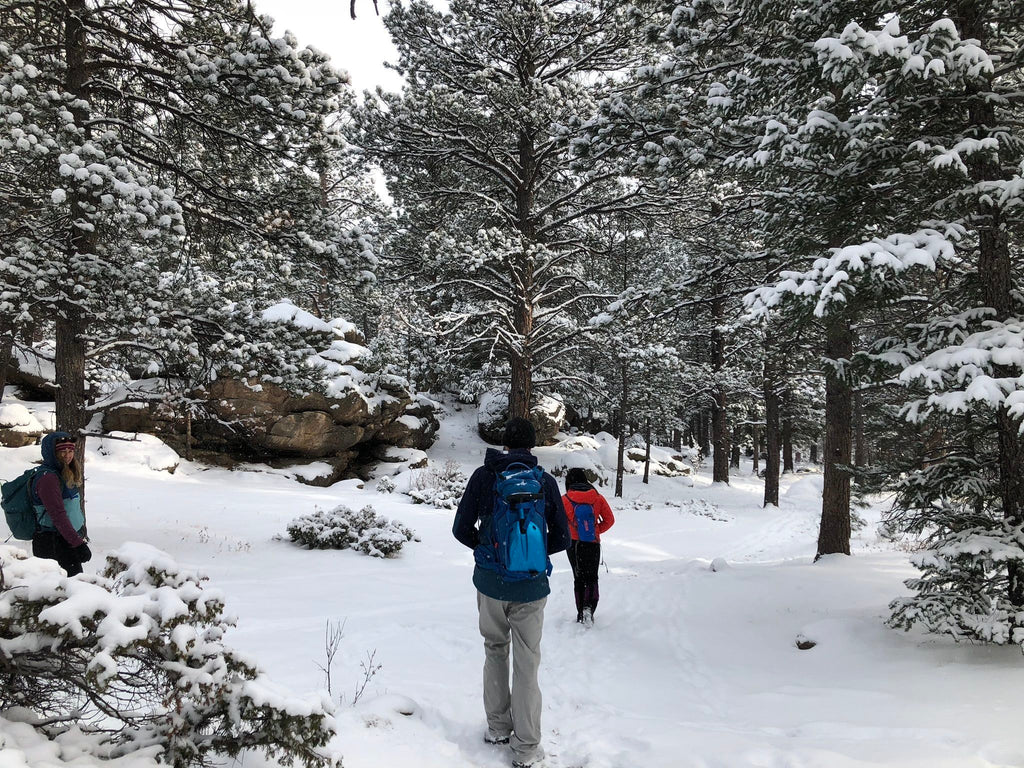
point(16, 500)
point(518, 526)
point(586, 524)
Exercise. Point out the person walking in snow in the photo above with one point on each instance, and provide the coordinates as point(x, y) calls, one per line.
point(589, 516)
point(58, 506)
point(511, 610)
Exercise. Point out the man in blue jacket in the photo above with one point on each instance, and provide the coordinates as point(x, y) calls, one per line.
point(510, 610)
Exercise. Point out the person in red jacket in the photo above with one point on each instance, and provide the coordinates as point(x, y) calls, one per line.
point(589, 516)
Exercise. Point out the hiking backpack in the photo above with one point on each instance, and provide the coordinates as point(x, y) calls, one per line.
point(586, 522)
point(519, 531)
point(16, 500)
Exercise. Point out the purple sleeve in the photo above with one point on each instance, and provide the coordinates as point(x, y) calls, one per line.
point(48, 488)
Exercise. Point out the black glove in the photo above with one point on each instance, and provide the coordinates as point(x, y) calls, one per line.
point(82, 553)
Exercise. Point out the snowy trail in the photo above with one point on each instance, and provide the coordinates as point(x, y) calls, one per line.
point(684, 668)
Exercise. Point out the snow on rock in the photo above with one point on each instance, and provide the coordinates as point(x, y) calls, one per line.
point(124, 448)
point(19, 418)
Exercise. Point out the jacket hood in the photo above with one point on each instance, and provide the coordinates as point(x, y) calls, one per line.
point(47, 448)
point(498, 461)
point(583, 494)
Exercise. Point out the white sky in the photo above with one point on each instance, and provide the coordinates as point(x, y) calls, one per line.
point(359, 46)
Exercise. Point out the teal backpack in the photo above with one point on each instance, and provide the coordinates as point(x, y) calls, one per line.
point(16, 500)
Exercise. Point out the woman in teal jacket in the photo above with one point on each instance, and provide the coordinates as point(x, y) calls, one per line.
point(58, 505)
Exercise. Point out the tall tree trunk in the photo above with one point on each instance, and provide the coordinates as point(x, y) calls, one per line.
point(771, 434)
point(647, 451)
point(677, 439)
point(719, 416)
point(787, 444)
point(620, 463)
point(734, 456)
point(70, 321)
point(6, 348)
point(188, 434)
point(834, 533)
point(814, 452)
point(703, 433)
point(755, 436)
point(522, 387)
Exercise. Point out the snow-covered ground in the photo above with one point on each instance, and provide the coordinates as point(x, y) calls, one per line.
point(686, 667)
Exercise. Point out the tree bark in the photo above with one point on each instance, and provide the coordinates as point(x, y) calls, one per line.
point(755, 436)
point(620, 464)
point(734, 456)
point(70, 321)
point(647, 451)
point(719, 416)
point(188, 434)
point(787, 443)
point(771, 435)
point(6, 348)
point(834, 533)
point(703, 433)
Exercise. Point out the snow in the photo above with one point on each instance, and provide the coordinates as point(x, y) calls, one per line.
point(18, 418)
point(692, 662)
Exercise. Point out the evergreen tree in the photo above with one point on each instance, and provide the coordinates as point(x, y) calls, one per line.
point(489, 163)
point(154, 157)
point(135, 658)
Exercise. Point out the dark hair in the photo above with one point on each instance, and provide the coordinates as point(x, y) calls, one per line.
point(519, 433)
point(576, 476)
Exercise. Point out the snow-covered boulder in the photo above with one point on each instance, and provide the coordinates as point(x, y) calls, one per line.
point(19, 426)
point(547, 414)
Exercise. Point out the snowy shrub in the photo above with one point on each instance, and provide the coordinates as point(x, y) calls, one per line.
point(340, 528)
point(440, 487)
point(970, 557)
point(133, 659)
point(385, 485)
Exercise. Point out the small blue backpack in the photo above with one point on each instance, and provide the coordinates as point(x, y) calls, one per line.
point(16, 500)
point(586, 524)
point(518, 526)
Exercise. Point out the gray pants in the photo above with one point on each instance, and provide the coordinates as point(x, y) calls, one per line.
point(516, 712)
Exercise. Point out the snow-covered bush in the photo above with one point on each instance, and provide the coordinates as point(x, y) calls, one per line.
point(341, 528)
point(441, 487)
point(970, 556)
point(385, 485)
point(133, 659)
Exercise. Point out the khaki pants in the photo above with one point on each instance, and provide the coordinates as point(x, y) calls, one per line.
point(515, 712)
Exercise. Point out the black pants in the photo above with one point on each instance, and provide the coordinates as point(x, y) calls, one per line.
point(585, 559)
point(51, 545)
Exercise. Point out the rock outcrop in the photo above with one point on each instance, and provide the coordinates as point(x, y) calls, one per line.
point(261, 421)
point(355, 420)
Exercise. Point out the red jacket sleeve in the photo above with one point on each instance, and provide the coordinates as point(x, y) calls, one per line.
point(48, 488)
point(605, 518)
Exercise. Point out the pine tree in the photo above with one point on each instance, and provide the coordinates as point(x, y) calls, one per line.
point(488, 160)
point(155, 157)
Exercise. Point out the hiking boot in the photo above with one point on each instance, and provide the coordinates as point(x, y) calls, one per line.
point(536, 761)
point(492, 738)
